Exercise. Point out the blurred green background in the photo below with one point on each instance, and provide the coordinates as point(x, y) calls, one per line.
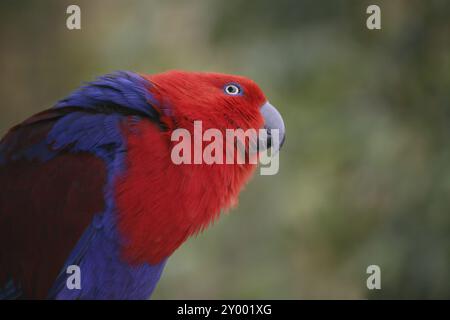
point(365, 172)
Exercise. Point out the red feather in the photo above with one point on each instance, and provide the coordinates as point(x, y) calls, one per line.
point(161, 204)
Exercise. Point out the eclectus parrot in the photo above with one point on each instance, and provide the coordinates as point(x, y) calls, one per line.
point(90, 182)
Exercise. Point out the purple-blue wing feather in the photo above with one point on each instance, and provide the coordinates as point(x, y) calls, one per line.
point(56, 199)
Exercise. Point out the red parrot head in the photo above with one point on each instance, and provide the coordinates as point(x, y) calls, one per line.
point(220, 101)
point(161, 203)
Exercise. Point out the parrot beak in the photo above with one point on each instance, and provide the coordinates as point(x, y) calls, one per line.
point(274, 124)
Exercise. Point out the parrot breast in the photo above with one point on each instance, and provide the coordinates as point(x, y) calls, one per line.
point(161, 204)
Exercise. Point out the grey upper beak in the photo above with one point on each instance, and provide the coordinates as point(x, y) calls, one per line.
point(273, 120)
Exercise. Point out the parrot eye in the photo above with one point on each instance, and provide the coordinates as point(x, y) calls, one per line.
point(232, 89)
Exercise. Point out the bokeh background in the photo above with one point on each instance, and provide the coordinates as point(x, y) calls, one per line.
point(365, 172)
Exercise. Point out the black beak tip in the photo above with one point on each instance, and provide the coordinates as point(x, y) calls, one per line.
point(282, 141)
point(269, 141)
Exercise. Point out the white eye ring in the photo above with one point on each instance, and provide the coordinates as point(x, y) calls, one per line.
point(232, 89)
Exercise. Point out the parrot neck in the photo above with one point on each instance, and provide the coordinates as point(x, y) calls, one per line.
point(160, 204)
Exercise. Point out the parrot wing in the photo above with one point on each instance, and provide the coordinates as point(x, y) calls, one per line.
point(54, 171)
point(47, 199)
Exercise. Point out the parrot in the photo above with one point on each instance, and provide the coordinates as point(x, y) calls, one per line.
point(88, 185)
